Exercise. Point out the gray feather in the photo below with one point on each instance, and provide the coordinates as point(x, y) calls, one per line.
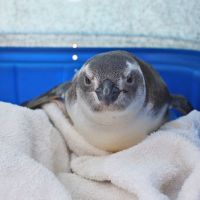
point(54, 94)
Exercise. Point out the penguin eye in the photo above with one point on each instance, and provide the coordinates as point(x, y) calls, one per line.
point(87, 81)
point(129, 79)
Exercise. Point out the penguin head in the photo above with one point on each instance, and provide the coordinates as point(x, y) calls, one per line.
point(110, 81)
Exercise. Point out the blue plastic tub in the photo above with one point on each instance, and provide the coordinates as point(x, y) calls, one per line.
point(28, 72)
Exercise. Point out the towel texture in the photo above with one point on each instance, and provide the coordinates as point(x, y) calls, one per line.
point(43, 157)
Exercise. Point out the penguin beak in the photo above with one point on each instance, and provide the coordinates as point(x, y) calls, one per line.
point(107, 92)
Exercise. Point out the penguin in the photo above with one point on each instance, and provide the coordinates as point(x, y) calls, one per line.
point(114, 101)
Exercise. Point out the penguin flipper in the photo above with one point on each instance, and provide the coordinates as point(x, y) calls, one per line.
point(55, 93)
point(181, 104)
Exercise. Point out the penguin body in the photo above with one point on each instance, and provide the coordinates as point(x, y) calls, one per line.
point(115, 100)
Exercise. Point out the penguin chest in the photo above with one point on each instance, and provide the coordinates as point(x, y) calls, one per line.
point(111, 132)
point(112, 137)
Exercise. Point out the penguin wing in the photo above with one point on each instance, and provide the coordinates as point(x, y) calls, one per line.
point(181, 104)
point(56, 93)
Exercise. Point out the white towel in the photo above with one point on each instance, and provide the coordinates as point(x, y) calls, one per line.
point(48, 159)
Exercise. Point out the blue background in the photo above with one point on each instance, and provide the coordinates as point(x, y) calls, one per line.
point(27, 72)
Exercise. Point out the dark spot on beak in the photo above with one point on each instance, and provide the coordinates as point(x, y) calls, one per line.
point(107, 92)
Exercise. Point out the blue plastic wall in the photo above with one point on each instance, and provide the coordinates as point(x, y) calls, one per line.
point(27, 72)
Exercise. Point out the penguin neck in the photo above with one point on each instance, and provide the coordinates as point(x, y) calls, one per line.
point(104, 118)
point(79, 111)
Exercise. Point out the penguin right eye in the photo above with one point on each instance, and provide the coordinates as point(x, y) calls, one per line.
point(129, 79)
point(87, 81)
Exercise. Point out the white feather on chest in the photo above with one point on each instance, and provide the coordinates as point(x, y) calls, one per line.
point(116, 130)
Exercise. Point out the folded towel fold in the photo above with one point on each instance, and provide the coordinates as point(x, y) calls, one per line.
point(43, 157)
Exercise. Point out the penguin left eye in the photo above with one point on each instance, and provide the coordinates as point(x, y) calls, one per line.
point(129, 79)
point(87, 81)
